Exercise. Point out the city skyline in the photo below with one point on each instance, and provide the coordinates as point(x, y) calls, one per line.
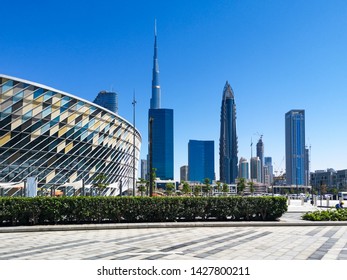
point(277, 56)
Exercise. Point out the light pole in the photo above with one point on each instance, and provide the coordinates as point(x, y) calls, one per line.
point(134, 146)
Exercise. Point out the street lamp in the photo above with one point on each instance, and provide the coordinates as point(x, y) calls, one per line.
point(134, 146)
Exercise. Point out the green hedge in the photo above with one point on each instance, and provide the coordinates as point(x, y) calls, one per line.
point(65, 210)
point(326, 215)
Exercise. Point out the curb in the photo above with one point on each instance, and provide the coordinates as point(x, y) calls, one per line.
point(164, 225)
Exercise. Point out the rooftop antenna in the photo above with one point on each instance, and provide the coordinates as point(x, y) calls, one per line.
point(251, 148)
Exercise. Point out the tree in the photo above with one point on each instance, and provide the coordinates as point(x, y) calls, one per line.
point(186, 188)
point(206, 187)
point(241, 185)
point(251, 187)
point(170, 187)
point(197, 190)
point(142, 187)
point(225, 188)
point(151, 181)
point(100, 182)
point(219, 186)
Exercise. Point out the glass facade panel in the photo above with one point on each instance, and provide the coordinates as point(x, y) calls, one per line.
point(37, 147)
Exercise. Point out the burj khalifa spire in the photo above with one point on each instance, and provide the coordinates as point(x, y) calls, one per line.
point(155, 99)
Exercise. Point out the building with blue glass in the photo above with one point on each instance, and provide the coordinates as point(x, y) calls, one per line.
point(228, 160)
point(108, 100)
point(200, 160)
point(268, 170)
point(162, 143)
point(243, 168)
point(161, 124)
point(295, 147)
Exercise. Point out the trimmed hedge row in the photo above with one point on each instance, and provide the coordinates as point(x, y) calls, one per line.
point(67, 210)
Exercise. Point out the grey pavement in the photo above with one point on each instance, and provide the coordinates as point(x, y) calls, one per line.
point(288, 239)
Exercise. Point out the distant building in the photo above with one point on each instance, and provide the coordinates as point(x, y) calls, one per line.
point(255, 169)
point(341, 179)
point(295, 148)
point(260, 154)
point(200, 160)
point(144, 169)
point(184, 173)
point(329, 179)
point(228, 138)
point(268, 170)
point(108, 100)
point(323, 179)
point(243, 168)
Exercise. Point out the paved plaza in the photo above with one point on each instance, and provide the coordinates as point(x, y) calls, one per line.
point(288, 239)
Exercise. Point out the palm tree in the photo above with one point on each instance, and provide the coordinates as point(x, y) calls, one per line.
point(186, 188)
point(206, 187)
point(100, 182)
point(241, 185)
point(219, 186)
point(170, 187)
point(225, 188)
point(197, 190)
point(251, 187)
point(142, 187)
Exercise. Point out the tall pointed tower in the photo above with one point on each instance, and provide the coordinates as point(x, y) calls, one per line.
point(228, 138)
point(160, 123)
point(155, 99)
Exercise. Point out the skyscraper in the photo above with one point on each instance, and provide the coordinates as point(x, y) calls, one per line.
point(155, 99)
point(200, 160)
point(255, 169)
point(228, 138)
point(144, 171)
point(184, 173)
point(269, 172)
point(243, 168)
point(108, 100)
point(295, 147)
point(260, 154)
point(161, 127)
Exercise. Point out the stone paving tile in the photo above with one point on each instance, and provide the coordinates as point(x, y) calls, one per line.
point(246, 243)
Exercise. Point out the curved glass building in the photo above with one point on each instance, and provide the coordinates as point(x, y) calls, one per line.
point(228, 138)
point(60, 138)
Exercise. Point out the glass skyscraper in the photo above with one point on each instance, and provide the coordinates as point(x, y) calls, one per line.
point(295, 147)
point(260, 154)
point(269, 173)
point(162, 142)
point(243, 168)
point(228, 138)
point(255, 169)
point(161, 122)
point(108, 100)
point(200, 160)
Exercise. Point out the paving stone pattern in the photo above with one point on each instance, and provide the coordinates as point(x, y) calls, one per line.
point(227, 243)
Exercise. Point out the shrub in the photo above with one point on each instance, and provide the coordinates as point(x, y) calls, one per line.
point(326, 215)
point(63, 210)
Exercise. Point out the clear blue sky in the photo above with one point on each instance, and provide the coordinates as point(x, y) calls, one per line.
point(277, 56)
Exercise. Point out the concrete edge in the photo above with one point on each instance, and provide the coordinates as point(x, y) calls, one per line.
point(165, 225)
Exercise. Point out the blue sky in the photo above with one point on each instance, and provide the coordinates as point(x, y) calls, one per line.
point(277, 56)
